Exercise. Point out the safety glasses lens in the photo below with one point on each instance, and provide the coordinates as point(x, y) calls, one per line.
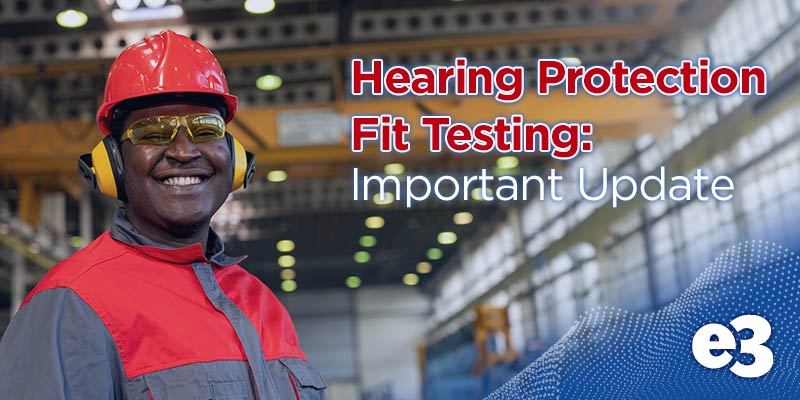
point(156, 130)
point(160, 130)
point(206, 127)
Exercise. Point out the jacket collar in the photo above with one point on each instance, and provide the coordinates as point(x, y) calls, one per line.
point(123, 231)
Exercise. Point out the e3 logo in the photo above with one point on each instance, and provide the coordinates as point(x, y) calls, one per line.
point(703, 345)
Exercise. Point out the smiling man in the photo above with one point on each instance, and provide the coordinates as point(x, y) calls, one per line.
point(154, 308)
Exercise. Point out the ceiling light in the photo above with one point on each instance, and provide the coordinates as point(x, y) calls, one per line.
point(172, 11)
point(424, 267)
point(571, 61)
point(71, 18)
point(269, 82)
point(155, 3)
point(361, 257)
point(507, 162)
point(435, 253)
point(394, 169)
point(35, 248)
point(367, 241)
point(447, 238)
point(388, 198)
point(288, 274)
point(374, 222)
point(285, 246)
point(289, 286)
point(410, 279)
point(477, 195)
point(128, 5)
point(277, 175)
point(286, 261)
point(462, 218)
point(259, 6)
point(75, 241)
point(353, 282)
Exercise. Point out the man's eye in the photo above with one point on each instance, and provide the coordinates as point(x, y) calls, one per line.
point(207, 134)
point(153, 137)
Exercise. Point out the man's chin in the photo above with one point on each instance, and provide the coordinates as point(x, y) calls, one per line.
point(185, 227)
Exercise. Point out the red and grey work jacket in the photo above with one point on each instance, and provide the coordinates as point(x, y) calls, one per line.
point(127, 318)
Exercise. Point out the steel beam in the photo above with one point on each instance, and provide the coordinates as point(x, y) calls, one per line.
point(56, 66)
point(44, 150)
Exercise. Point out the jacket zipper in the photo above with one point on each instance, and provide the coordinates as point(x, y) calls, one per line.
point(294, 386)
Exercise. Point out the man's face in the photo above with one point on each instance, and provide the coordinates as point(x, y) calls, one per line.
point(161, 181)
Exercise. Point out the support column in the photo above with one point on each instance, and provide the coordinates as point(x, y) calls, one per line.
point(59, 212)
point(520, 261)
point(647, 235)
point(17, 281)
point(85, 222)
point(30, 201)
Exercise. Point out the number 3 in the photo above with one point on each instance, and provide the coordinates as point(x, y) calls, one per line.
point(755, 346)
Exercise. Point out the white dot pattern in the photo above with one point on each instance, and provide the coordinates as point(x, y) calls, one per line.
point(615, 354)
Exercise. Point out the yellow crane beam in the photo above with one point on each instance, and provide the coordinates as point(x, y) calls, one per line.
point(50, 148)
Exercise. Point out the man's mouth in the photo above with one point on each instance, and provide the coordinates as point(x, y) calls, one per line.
point(184, 180)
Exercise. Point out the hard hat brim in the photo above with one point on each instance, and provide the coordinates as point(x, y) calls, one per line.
point(104, 113)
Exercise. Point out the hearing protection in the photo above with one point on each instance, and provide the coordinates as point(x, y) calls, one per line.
point(103, 167)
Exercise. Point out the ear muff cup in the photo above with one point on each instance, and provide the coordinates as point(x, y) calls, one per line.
point(103, 167)
point(106, 166)
point(242, 162)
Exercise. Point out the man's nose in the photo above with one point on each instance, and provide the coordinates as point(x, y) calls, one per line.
point(182, 148)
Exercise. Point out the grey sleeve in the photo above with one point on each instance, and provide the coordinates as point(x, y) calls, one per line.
point(57, 348)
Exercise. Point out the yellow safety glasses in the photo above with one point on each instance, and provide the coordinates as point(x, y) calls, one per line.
point(161, 130)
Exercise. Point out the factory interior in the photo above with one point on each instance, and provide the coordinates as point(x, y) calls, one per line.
point(443, 299)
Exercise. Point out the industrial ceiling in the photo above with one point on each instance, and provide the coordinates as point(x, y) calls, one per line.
point(52, 78)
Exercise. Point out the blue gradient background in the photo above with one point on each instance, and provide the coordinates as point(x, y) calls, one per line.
point(614, 354)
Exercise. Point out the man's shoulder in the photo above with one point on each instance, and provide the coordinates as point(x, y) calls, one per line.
point(236, 280)
point(102, 250)
point(63, 275)
point(264, 309)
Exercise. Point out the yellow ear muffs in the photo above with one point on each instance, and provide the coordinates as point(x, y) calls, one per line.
point(102, 168)
point(243, 163)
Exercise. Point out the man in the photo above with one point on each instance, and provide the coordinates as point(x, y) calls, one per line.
point(155, 308)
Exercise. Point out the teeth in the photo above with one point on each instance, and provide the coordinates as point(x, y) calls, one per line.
point(182, 180)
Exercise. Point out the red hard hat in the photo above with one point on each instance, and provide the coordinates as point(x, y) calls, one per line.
point(163, 63)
